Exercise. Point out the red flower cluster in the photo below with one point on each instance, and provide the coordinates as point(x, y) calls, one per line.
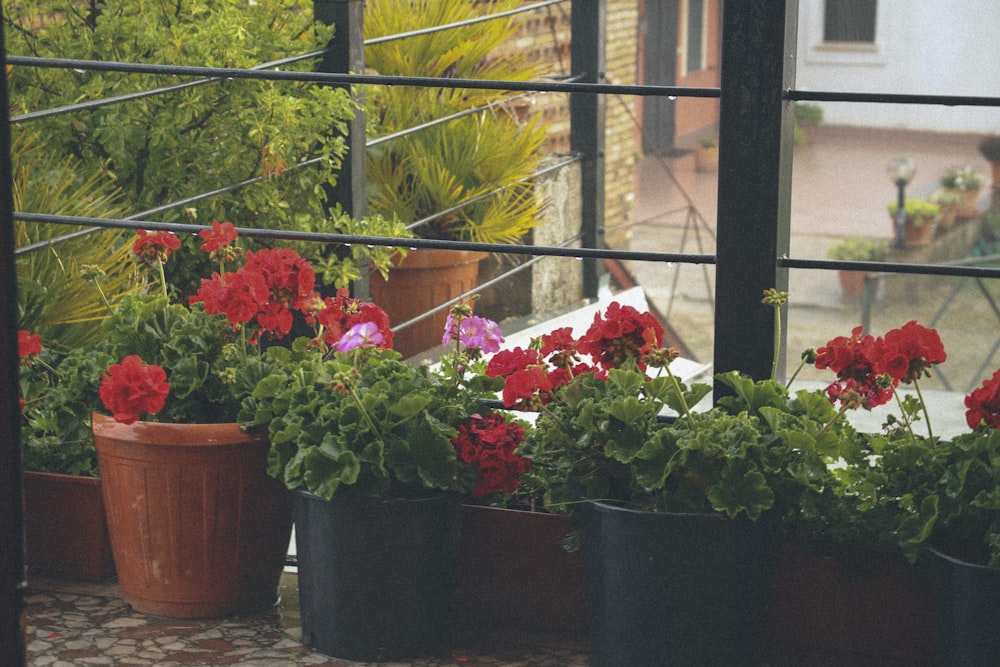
point(624, 333)
point(28, 345)
point(531, 375)
point(132, 388)
point(489, 445)
point(153, 247)
point(339, 314)
point(218, 237)
point(265, 290)
point(983, 404)
point(868, 368)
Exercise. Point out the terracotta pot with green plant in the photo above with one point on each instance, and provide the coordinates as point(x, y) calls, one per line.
point(966, 182)
point(989, 148)
point(470, 179)
point(856, 249)
point(950, 202)
point(808, 117)
point(921, 218)
point(206, 499)
point(706, 155)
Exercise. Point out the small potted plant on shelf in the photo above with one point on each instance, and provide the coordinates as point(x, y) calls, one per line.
point(989, 148)
point(950, 201)
point(921, 218)
point(966, 182)
point(807, 116)
point(856, 249)
point(706, 154)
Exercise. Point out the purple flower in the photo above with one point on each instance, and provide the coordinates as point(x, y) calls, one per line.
point(365, 334)
point(479, 332)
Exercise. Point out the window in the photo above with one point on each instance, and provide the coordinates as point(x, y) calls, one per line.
point(849, 21)
point(694, 36)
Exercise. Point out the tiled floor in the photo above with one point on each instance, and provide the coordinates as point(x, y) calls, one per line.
point(72, 624)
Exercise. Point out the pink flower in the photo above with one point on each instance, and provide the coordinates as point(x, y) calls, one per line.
point(366, 334)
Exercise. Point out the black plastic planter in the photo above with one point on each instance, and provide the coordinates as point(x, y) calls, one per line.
point(966, 611)
point(377, 577)
point(676, 589)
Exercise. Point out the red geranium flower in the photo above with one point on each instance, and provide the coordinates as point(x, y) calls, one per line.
point(853, 360)
point(218, 237)
point(152, 247)
point(907, 353)
point(489, 445)
point(131, 388)
point(622, 333)
point(28, 345)
point(340, 313)
point(983, 404)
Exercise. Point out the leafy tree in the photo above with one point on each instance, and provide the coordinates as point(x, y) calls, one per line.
point(169, 147)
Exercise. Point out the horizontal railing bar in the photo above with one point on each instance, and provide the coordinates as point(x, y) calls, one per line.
point(105, 101)
point(888, 268)
point(349, 239)
point(461, 24)
point(893, 98)
point(360, 79)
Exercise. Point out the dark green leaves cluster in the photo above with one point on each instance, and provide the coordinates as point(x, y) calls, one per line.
point(371, 424)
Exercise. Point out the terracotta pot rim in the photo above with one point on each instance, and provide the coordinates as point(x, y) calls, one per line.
point(425, 258)
point(170, 434)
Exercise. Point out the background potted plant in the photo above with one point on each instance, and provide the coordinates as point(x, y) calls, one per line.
point(950, 201)
point(380, 454)
point(921, 216)
point(470, 179)
point(989, 148)
point(807, 117)
point(856, 249)
point(965, 181)
point(706, 154)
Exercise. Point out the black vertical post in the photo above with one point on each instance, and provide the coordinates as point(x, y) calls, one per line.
point(346, 54)
point(755, 143)
point(12, 599)
point(586, 136)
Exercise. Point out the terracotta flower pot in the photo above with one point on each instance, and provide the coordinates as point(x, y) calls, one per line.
point(423, 280)
point(198, 528)
point(852, 283)
point(65, 530)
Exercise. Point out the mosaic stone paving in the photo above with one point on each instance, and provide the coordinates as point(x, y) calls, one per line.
point(73, 624)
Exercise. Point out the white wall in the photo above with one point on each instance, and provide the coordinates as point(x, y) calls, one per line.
point(935, 47)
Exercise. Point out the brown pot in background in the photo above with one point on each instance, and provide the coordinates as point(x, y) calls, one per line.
point(65, 530)
point(967, 204)
point(423, 280)
point(852, 283)
point(514, 572)
point(917, 235)
point(198, 528)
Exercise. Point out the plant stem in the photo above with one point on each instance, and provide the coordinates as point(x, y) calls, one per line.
point(680, 394)
point(163, 279)
point(923, 404)
point(906, 417)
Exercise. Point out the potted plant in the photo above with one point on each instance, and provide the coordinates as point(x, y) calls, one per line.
point(807, 117)
point(921, 216)
point(679, 517)
point(950, 201)
point(380, 454)
point(989, 148)
point(935, 496)
point(965, 181)
point(856, 249)
point(470, 179)
point(211, 530)
point(706, 155)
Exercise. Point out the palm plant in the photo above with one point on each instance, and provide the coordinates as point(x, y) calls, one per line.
point(54, 297)
point(467, 158)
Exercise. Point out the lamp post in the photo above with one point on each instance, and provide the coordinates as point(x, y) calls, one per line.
point(901, 171)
